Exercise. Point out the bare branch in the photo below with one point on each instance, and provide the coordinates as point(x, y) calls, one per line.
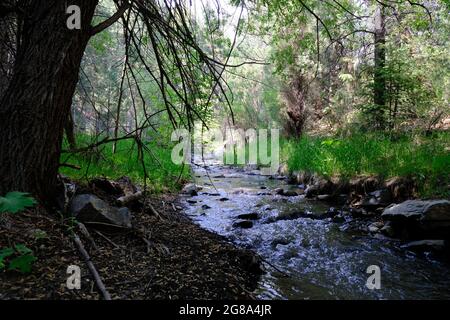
point(110, 21)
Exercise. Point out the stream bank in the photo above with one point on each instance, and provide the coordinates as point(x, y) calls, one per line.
point(165, 257)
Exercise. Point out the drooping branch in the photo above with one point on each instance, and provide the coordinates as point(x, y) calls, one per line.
point(111, 20)
point(412, 3)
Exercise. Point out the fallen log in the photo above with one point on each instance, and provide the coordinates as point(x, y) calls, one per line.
point(92, 269)
point(86, 233)
point(124, 200)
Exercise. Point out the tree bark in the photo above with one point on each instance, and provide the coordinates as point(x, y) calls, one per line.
point(37, 102)
point(8, 28)
point(70, 131)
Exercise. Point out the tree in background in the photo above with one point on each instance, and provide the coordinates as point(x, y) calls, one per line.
point(335, 61)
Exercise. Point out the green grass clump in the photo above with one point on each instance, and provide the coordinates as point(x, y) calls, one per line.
point(163, 174)
point(427, 159)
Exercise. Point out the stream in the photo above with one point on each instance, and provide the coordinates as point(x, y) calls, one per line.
point(308, 258)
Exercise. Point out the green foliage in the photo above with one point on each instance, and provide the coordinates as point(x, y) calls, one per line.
point(339, 72)
point(162, 172)
point(5, 253)
point(425, 158)
point(20, 258)
point(15, 201)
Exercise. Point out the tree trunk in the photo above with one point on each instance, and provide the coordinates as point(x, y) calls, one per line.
point(36, 104)
point(119, 104)
point(295, 102)
point(70, 131)
point(8, 25)
point(380, 61)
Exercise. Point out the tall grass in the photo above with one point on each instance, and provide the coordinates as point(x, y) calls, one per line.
point(427, 159)
point(163, 174)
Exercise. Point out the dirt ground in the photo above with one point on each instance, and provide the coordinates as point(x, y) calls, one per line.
point(159, 258)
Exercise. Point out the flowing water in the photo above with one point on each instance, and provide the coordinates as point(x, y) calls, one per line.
point(308, 258)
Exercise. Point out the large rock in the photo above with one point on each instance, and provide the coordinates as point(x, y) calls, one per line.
point(420, 218)
point(105, 185)
point(248, 216)
point(244, 224)
point(88, 208)
point(320, 186)
point(432, 210)
point(190, 189)
point(378, 198)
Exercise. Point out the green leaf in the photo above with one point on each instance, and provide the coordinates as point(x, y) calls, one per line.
point(16, 201)
point(23, 249)
point(4, 253)
point(22, 263)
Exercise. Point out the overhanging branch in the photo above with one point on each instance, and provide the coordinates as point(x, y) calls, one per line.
point(111, 20)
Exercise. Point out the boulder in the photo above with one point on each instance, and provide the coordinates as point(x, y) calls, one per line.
point(109, 187)
point(388, 230)
point(190, 189)
point(378, 198)
point(295, 214)
point(248, 216)
point(418, 210)
point(290, 193)
point(244, 224)
point(375, 226)
point(88, 208)
point(211, 194)
point(420, 218)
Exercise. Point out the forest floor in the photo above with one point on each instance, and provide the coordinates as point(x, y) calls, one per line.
point(176, 260)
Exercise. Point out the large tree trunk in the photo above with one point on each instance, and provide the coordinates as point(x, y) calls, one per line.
point(36, 104)
point(294, 97)
point(8, 26)
point(380, 61)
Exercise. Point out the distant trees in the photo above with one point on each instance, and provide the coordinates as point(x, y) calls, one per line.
point(343, 53)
